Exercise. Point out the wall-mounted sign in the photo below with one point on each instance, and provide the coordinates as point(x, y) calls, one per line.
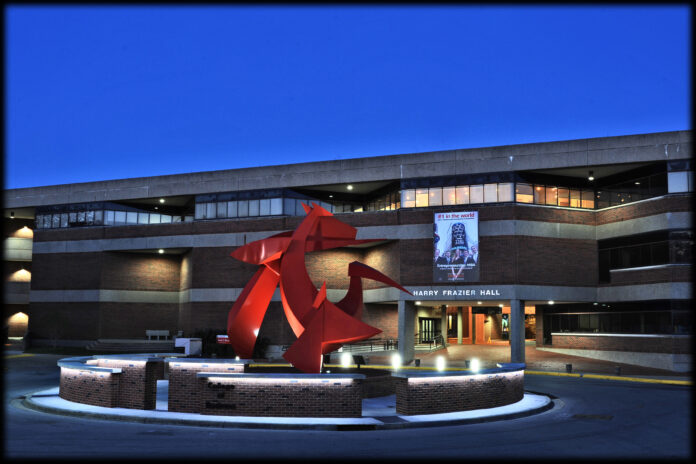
point(455, 243)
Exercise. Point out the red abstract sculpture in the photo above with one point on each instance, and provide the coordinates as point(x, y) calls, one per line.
point(320, 325)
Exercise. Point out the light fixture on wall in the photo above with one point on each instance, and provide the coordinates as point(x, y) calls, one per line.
point(160, 251)
point(590, 177)
point(349, 187)
point(161, 200)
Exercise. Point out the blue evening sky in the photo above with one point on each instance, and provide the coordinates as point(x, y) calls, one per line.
point(109, 92)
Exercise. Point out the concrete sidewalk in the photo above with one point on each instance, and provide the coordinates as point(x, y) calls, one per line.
point(537, 361)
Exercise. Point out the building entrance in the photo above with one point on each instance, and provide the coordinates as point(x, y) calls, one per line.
point(484, 325)
point(428, 328)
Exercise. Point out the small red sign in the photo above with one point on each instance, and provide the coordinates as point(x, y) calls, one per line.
point(223, 339)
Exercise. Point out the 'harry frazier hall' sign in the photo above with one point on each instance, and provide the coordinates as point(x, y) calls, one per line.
point(458, 292)
point(455, 247)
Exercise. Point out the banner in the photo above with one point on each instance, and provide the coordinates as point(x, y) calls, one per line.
point(455, 242)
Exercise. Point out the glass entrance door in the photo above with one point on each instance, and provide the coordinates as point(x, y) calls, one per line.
point(427, 328)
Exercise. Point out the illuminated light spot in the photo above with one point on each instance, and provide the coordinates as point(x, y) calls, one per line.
point(161, 200)
point(396, 360)
point(160, 251)
point(349, 187)
point(440, 363)
point(345, 359)
point(475, 365)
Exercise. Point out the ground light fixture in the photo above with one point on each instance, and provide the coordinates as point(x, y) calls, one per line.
point(440, 363)
point(475, 365)
point(345, 359)
point(396, 361)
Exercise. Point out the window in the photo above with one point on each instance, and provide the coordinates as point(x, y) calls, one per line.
point(64, 220)
point(243, 208)
point(524, 193)
point(463, 195)
point(154, 218)
point(143, 218)
point(408, 198)
point(232, 209)
point(575, 199)
point(449, 196)
point(210, 210)
point(421, 198)
point(289, 206)
point(55, 222)
point(588, 199)
point(200, 211)
point(221, 209)
point(551, 196)
point(539, 195)
point(490, 193)
point(119, 217)
point(276, 206)
point(253, 207)
point(435, 196)
point(563, 197)
point(476, 193)
point(505, 192)
point(131, 217)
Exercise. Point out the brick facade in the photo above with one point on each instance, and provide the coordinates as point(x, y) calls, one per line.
point(656, 344)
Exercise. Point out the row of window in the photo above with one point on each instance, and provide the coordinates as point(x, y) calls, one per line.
point(105, 218)
point(646, 322)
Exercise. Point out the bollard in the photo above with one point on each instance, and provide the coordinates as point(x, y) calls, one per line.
point(569, 368)
point(617, 369)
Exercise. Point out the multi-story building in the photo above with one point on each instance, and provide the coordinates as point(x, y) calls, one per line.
point(582, 245)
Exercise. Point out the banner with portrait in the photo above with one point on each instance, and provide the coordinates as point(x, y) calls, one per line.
point(455, 243)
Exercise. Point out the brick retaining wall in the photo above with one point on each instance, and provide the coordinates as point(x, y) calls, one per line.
point(184, 388)
point(280, 397)
point(441, 394)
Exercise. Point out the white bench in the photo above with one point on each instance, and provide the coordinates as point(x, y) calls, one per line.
point(157, 334)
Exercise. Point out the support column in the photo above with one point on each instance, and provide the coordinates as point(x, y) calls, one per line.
point(443, 323)
point(517, 331)
point(460, 329)
point(407, 322)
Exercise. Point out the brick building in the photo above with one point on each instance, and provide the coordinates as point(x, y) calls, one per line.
point(584, 246)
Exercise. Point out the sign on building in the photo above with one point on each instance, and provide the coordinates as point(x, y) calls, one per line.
point(455, 243)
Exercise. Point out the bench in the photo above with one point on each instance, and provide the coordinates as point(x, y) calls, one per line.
point(157, 334)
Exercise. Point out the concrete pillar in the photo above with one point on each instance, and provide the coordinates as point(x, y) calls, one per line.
point(460, 329)
point(443, 322)
point(407, 322)
point(517, 331)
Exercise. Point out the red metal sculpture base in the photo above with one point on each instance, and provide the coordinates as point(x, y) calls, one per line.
point(320, 325)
